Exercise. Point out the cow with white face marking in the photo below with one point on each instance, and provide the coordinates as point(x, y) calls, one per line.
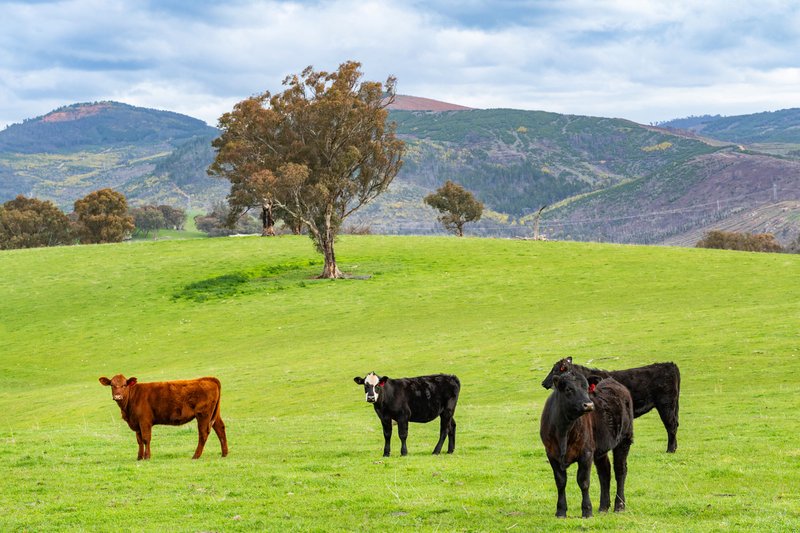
point(419, 399)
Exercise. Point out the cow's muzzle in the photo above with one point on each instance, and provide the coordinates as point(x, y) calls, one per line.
point(588, 407)
point(372, 399)
point(117, 396)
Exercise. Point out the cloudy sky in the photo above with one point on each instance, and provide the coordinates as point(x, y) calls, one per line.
point(644, 60)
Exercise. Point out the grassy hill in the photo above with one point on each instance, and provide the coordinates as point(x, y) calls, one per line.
point(306, 448)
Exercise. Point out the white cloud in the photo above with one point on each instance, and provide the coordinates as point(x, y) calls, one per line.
point(637, 59)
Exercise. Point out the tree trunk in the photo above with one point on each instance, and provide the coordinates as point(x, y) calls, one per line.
point(267, 222)
point(330, 270)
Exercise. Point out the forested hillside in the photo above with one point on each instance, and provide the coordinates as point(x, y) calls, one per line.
point(768, 127)
point(149, 155)
point(603, 179)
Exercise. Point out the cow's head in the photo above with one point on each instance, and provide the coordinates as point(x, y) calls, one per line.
point(561, 367)
point(572, 390)
point(119, 386)
point(372, 385)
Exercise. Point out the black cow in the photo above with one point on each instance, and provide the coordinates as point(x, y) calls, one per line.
point(657, 385)
point(581, 421)
point(419, 399)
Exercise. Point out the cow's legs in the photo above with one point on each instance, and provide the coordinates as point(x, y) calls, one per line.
point(584, 475)
point(387, 436)
point(451, 436)
point(203, 429)
point(669, 417)
point(219, 429)
point(560, 475)
point(139, 440)
point(444, 428)
point(402, 431)
point(620, 473)
point(604, 474)
point(146, 431)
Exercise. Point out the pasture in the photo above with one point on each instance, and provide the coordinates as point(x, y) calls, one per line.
point(306, 449)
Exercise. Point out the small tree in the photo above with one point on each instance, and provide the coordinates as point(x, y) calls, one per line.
point(148, 218)
point(318, 151)
point(456, 205)
point(103, 217)
point(32, 223)
point(216, 222)
point(174, 217)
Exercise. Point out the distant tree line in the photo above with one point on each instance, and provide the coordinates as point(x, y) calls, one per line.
point(101, 216)
point(747, 242)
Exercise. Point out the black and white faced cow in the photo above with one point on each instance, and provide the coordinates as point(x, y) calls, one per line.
point(419, 399)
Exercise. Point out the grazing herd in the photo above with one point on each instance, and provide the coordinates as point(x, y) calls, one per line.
point(589, 414)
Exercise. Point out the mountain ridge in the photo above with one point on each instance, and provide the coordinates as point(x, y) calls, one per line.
point(602, 170)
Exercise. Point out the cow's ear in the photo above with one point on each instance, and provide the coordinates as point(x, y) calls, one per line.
point(594, 380)
point(383, 380)
point(569, 359)
point(359, 380)
point(105, 381)
point(131, 382)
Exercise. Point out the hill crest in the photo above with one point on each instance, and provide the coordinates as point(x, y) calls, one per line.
point(404, 102)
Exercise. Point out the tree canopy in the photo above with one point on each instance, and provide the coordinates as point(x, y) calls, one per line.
point(456, 205)
point(317, 151)
point(103, 217)
point(31, 223)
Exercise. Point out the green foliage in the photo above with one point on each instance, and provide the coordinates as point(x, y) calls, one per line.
point(306, 448)
point(457, 206)
point(747, 242)
point(218, 222)
point(319, 150)
point(103, 217)
point(767, 127)
point(31, 223)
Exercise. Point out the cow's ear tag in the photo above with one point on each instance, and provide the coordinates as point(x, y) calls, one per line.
point(591, 387)
point(381, 383)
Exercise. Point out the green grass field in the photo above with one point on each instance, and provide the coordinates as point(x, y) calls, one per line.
point(306, 449)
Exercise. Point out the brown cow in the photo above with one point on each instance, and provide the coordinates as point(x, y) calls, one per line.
point(173, 403)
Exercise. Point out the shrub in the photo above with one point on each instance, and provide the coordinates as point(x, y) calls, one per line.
point(747, 242)
point(32, 223)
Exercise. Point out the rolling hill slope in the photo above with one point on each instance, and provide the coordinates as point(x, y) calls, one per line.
point(305, 448)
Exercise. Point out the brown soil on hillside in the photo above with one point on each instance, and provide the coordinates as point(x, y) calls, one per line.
point(416, 103)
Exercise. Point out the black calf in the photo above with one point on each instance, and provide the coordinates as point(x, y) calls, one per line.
point(581, 422)
point(419, 399)
point(657, 385)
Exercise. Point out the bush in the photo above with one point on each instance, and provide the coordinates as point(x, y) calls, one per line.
point(32, 223)
point(747, 242)
point(103, 217)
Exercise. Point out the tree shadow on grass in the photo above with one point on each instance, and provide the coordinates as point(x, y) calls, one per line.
point(275, 277)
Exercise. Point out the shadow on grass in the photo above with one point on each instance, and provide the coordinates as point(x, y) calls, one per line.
point(276, 277)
